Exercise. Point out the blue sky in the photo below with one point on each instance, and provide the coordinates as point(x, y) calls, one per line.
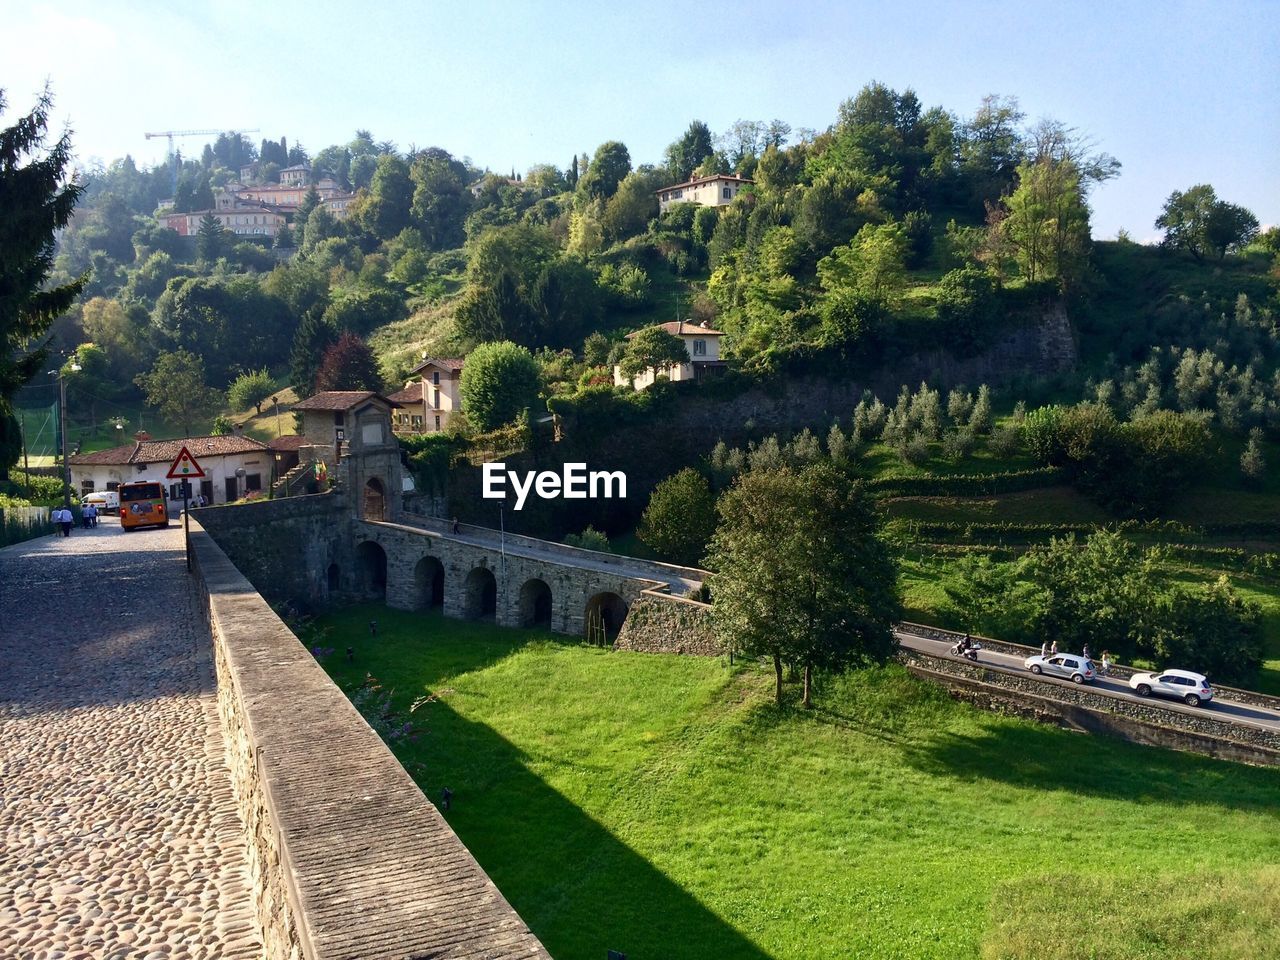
point(1180, 92)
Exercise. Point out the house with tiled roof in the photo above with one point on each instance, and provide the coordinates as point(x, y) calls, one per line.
point(335, 422)
point(717, 190)
point(234, 466)
point(427, 403)
point(700, 342)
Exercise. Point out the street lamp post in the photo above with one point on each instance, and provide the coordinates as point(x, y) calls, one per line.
point(62, 428)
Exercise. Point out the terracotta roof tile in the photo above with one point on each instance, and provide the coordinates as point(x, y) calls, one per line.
point(338, 400)
point(410, 394)
point(166, 451)
point(288, 442)
point(444, 363)
point(116, 455)
point(684, 328)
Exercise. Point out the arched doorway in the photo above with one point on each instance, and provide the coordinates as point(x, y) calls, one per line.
point(334, 577)
point(482, 594)
point(375, 500)
point(535, 604)
point(603, 617)
point(428, 583)
point(371, 563)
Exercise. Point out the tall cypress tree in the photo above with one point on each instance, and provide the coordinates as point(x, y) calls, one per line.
point(313, 337)
point(36, 200)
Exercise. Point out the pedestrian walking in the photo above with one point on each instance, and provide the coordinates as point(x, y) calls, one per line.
point(1053, 649)
point(90, 515)
point(1085, 652)
point(1044, 649)
point(1106, 663)
point(64, 519)
point(456, 528)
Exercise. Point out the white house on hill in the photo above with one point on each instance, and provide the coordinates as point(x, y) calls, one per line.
point(700, 342)
point(717, 190)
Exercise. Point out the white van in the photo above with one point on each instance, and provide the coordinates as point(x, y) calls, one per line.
point(107, 501)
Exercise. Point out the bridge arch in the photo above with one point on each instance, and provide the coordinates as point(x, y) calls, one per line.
point(535, 603)
point(374, 505)
point(481, 591)
point(371, 567)
point(428, 583)
point(605, 609)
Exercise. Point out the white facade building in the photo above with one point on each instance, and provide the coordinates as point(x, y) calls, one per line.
point(700, 342)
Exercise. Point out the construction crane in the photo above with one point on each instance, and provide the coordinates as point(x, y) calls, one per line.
point(172, 134)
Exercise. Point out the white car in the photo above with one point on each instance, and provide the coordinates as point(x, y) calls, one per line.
point(1191, 688)
point(1072, 666)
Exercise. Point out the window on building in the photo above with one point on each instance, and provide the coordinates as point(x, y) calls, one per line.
point(437, 423)
point(435, 398)
point(728, 193)
point(253, 481)
point(417, 423)
point(113, 485)
point(86, 486)
point(339, 419)
point(699, 348)
point(435, 378)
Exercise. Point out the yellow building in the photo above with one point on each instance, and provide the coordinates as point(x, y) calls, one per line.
point(700, 341)
point(426, 404)
point(714, 191)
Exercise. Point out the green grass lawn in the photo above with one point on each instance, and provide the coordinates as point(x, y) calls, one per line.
point(662, 806)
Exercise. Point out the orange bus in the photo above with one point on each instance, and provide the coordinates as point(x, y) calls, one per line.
point(142, 505)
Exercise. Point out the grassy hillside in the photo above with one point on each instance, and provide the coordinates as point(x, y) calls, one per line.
point(663, 807)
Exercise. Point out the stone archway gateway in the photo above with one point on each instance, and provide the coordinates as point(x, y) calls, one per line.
point(371, 563)
point(375, 500)
point(481, 594)
point(603, 616)
point(535, 604)
point(428, 583)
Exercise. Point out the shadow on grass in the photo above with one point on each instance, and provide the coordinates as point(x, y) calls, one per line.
point(580, 889)
point(1045, 758)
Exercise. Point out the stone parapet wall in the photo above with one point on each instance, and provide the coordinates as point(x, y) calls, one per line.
point(660, 623)
point(1080, 708)
point(348, 858)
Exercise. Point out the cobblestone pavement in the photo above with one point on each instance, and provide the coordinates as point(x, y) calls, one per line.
point(119, 833)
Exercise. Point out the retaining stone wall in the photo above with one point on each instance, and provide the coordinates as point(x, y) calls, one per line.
point(660, 623)
point(1249, 697)
point(1083, 709)
point(349, 860)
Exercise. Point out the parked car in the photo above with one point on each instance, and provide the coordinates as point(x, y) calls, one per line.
point(107, 501)
point(1191, 688)
point(1072, 666)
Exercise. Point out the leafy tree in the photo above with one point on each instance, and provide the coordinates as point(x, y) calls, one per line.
point(176, 386)
point(680, 518)
point(991, 148)
point(1210, 628)
point(802, 576)
point(123, 334)
point(968, 304)
point(313, 337)
point(349, 364)
point(89, 377)
point(36, 201)
point(684, 155)
point(611, 163)
point(850, 317)
point(499, 382)
point(631, 208)
point(1048, 222)
point(589, 539)
point(595, 349)
point(362, 310)
point(1195, 220)
point(283, 239)
point(441, 199)
point(387, 208)
point(251, 389)
point(652, 349)
point(873, 263)
point(1252, 462)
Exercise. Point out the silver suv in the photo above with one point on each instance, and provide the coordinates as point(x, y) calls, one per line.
point(1070, 666)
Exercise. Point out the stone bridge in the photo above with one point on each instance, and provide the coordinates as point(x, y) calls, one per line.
point(480, 573)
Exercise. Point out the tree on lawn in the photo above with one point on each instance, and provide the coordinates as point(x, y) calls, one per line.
point(35, 202)
point(499, 382)
point(250, 389)
point(680, 518)
point(177, 388)
point(1195, 220)
point(801, 575)
point(349, 365)
point(652, 349)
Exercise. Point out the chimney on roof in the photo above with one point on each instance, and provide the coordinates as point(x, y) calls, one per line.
point(237, 429)
point(141, 436)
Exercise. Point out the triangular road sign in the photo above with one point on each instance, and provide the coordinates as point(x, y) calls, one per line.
point(184, 466)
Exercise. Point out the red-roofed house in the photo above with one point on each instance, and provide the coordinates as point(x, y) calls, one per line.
point(702, 344)
point(221, 458)
point(717, 190)
point(428, 402)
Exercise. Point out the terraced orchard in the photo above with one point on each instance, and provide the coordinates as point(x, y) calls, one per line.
point(660, 806)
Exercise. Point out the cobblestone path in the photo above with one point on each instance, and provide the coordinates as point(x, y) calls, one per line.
point(119, 834)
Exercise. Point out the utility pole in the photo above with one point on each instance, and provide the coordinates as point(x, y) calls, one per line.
point(26, 464)
point(62, 429)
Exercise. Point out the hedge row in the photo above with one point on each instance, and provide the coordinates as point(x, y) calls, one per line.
point(967, 485)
